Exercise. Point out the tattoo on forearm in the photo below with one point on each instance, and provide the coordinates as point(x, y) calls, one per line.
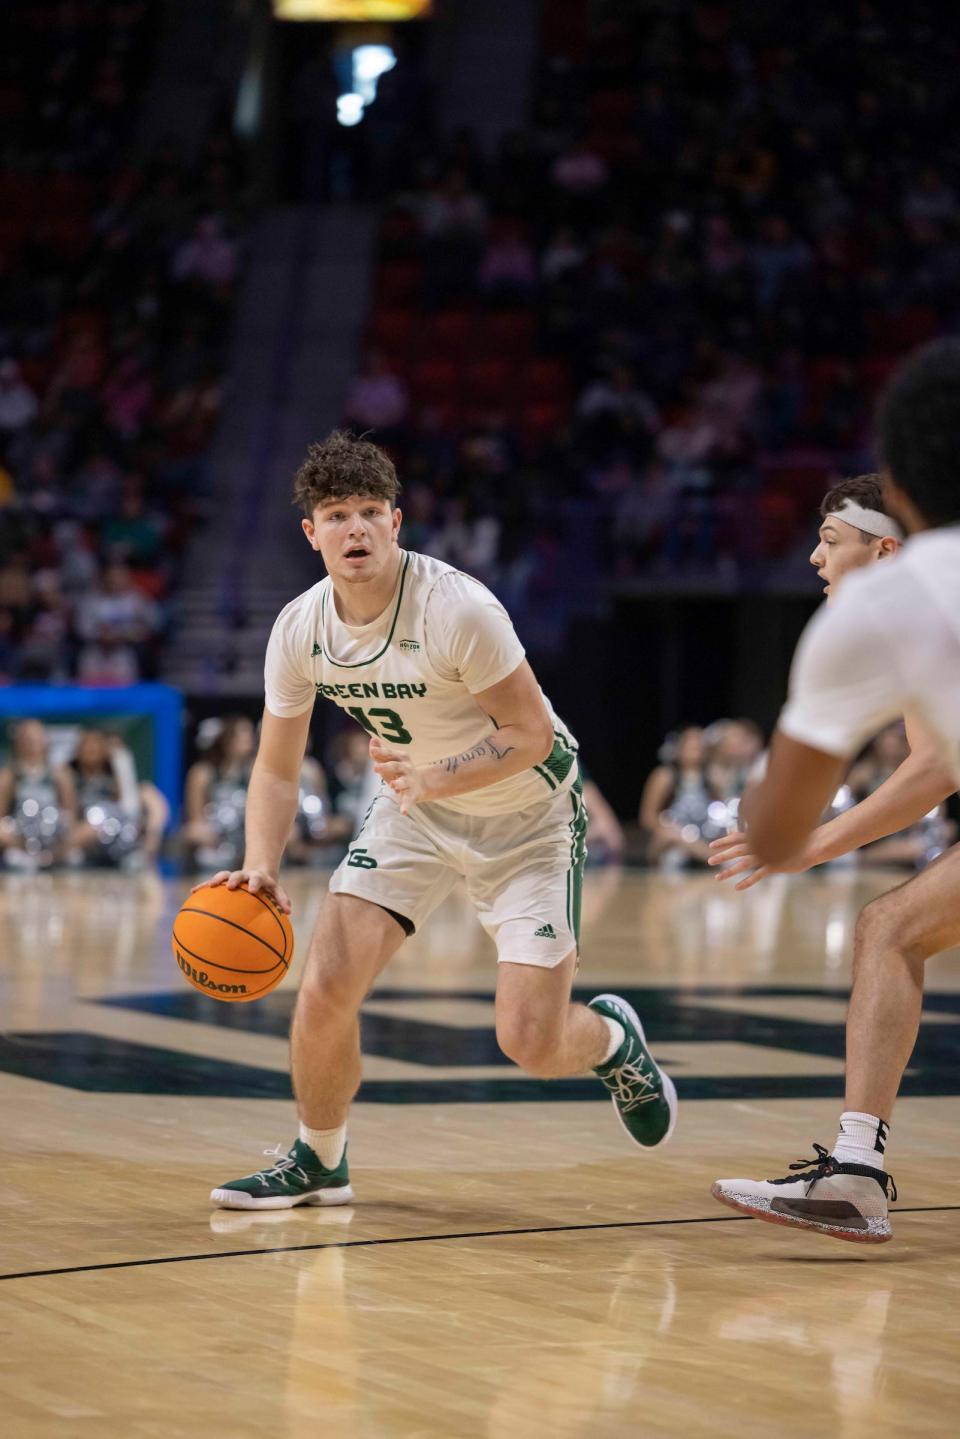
point(486, 748)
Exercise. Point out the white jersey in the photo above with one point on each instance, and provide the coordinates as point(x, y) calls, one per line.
point(410, 676)
point(888, 645)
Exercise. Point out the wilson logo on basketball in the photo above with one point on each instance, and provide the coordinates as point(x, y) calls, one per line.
point(232, 944)
point(200, 977)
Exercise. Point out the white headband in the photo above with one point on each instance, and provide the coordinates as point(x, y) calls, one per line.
point(872, 522)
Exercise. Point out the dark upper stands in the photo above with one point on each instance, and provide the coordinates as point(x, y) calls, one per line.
point(641, 339)
point(116, 277)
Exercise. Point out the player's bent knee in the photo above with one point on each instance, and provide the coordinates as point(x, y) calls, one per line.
point(892, 922)
point(532, 1047)
point(329, 990)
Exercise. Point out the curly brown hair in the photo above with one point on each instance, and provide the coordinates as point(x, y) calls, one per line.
point(344, 465)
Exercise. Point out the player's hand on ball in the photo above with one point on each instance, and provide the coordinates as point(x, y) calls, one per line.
point(255, 880)
point(400, 773)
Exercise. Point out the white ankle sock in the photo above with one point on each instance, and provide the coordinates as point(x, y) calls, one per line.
point(617, 1035)
point(327, 1144)
point(862, 1139)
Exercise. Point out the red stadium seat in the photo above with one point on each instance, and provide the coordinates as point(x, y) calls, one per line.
point(435, 382)
point(448, 333)
point(508, 332)
point(393, 330)
point(546, 380)
point(399, 233)
point(565, 28)
point(613, 109)
point(541, 423)
point(778, 514)
point(490, 382)
point(876, 371)
point(446, 417)
point(399, 282)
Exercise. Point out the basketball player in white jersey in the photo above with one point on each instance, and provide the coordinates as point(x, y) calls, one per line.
point(888, 645)
point(854, 532)
point(479, 780)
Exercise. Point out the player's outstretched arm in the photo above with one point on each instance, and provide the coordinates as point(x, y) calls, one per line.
point(916, 787)
point(521, 738)
point(784, 808)
point(272, 799)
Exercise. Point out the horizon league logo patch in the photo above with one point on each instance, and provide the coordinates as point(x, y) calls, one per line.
point(409, 645)
point(202, 978)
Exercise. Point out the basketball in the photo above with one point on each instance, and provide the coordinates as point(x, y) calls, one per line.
point(231, 944)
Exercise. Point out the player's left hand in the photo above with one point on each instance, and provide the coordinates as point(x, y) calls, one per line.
point(399, 772)
point(745, 866)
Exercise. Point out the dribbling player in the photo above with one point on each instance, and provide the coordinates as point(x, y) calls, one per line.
point(479, 780)
point(888, 645)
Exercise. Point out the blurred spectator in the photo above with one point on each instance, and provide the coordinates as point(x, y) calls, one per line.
point(734, 747)
point(377, 399)
point(208, 256)
point(108, 829)
point(121, 819)
point(922, 842)
point(615, 411)
point(605, 839)
point(681, 808)
point(18, 403)
point(579, 170)
point(508, 269)
point(563, 253)
point(353, 775)
point(106, 661)
point(453, 211)
point(117, 611)
point(465, 539)
point(216, 795)
point(317, 827)
point(38, 803)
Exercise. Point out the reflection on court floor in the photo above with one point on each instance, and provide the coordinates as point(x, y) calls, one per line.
point(512, 1267)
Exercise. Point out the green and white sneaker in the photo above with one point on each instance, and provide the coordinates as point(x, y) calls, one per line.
point(643, 1096)
point(296, 1177)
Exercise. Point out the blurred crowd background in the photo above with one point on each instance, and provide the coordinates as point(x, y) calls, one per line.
point(71, 797)
point(620, 326)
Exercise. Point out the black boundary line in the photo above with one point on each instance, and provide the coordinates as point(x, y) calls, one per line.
point(212, 963)
point(413, 1239)
point(212, 914)
point(269, 907)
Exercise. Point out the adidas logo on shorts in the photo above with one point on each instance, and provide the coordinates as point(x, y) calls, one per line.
point(546, 931)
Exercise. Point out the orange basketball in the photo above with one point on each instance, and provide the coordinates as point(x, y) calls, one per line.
point(232, 944)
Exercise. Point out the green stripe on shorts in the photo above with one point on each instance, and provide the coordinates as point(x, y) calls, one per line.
point(578, 856)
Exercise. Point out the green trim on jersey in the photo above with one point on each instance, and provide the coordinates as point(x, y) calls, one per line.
point(578, 857)
point(361, 664)
point(559, 762)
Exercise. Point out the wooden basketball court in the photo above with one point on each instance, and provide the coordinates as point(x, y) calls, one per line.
point(512, 1265)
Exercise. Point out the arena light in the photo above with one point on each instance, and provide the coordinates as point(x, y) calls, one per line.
point(369, 63)
point(383, 10)
point(349, 109)
point(364, 64)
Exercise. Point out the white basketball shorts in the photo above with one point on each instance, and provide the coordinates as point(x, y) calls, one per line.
point(523, 871)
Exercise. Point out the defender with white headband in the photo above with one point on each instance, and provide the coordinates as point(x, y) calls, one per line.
point(891, 642)
point(854, 530)
point(870, 522)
